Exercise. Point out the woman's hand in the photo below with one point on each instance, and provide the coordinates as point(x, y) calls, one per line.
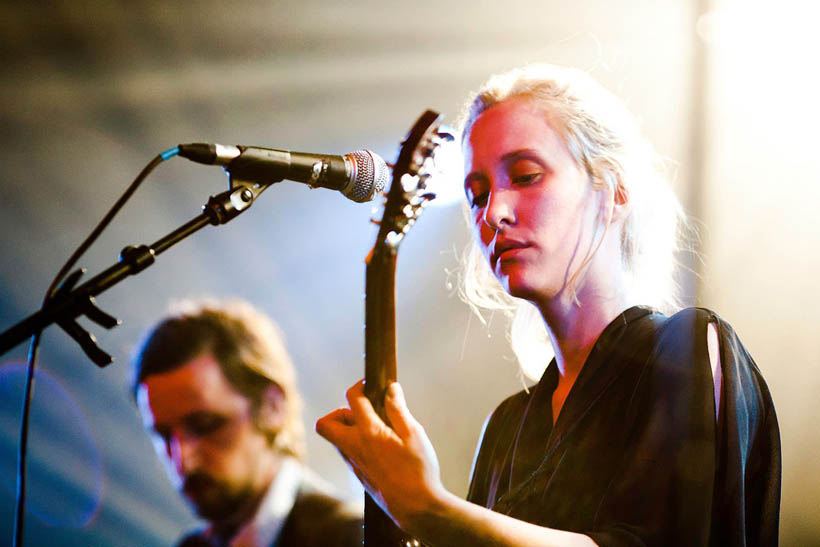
point(398, 465)
point(399, 469)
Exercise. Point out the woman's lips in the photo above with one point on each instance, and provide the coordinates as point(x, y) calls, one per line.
point(506, 249)
point(510, 252)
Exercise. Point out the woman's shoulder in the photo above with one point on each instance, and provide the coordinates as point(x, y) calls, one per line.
point(508, 412)
point(687, 330)
point(685, 327)
point(681, 338)
point(693, 315)
point(681, 350)
point(510, 408)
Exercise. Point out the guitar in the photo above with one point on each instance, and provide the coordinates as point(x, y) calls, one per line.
point(406, 199)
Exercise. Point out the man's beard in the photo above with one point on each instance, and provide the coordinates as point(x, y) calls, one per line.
point(213, 499)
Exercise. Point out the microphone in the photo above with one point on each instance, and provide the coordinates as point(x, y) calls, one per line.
point(359, 175)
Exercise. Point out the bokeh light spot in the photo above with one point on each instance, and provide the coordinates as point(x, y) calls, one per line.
point(64, 482)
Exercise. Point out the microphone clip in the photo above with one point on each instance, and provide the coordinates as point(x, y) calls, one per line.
point(240, 196)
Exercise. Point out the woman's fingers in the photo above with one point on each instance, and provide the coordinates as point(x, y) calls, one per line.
point(334, 425)
point(395, 406)
point(396, 464)
point(363, 411)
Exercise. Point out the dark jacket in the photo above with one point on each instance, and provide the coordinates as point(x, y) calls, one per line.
point(317, 519)
point(637, 456)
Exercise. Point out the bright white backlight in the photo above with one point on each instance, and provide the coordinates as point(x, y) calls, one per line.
point(448, 178)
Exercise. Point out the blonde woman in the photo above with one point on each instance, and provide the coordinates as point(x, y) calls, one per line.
point(645, 428)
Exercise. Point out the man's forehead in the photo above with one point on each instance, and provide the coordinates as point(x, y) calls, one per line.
point(196, 386)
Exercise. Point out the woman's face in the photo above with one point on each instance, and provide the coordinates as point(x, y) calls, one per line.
point(533, 209)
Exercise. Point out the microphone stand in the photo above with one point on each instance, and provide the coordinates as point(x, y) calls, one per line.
point(70, 303)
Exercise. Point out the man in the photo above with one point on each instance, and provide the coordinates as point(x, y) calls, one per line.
point(216, 388)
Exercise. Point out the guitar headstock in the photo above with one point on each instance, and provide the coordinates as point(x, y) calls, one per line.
point(409, 194)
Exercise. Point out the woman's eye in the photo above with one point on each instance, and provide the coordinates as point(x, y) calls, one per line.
point(525, 171)
point(479, 200)
point(526, 178)
point(476, 196)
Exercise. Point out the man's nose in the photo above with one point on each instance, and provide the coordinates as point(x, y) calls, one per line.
point(183, 451)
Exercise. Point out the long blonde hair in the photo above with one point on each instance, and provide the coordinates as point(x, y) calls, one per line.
point(603, 138)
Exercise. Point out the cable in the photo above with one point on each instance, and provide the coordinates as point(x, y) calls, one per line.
point(20, 501)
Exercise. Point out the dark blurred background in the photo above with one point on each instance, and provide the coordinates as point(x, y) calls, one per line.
point(91, 91)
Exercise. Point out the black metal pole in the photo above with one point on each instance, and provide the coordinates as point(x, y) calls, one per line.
point(132, 261)
point(220, 209)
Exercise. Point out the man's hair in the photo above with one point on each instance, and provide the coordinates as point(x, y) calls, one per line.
point(248, 346)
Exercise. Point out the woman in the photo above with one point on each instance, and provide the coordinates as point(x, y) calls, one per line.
point(644, 429)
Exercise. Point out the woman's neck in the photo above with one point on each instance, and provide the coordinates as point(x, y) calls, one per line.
point(575, 325)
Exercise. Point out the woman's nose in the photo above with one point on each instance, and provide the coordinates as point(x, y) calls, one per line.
point(500, 210)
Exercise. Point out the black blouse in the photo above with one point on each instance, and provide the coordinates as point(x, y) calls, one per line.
point(636, 456)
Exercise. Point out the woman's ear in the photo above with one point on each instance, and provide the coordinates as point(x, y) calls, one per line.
point(270, 415)
point(620, 199)
point(615, 203)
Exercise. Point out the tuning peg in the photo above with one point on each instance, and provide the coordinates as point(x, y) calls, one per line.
point(423, 178)
point(392, 239)
point(375, 214)
point(445, 133)
point(408, 182)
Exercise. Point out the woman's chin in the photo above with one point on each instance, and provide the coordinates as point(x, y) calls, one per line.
point(519, 288)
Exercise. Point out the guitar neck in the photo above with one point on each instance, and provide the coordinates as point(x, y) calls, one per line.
point(380, 370)
point(380, 327)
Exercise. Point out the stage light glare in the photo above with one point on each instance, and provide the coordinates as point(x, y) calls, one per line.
point(449, 174)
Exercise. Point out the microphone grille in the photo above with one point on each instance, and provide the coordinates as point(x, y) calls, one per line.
point(369, 177)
